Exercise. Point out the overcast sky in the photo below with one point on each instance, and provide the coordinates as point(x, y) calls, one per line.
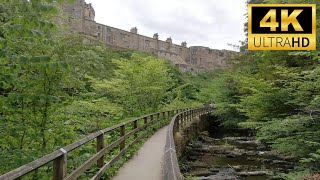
point(211, 23)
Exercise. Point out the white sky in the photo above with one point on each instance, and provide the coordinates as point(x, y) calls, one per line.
point(211, 23)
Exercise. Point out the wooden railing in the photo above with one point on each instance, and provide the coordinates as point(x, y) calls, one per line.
point(59, 157)
point(178, 122)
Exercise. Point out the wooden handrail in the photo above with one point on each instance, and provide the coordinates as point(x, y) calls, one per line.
point(171, 165)
point(59, 157)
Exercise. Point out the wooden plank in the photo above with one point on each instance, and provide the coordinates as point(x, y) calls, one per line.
point(177, 127)
point(31, 166)
point(115, 159)
point(122, 133)
point(106, 130)
point(86, 165)
point(171, 167)
point(135, 126)
point(163, 121)
point(82, 141)
point(152, 119)
point(50, 157)
point(158, 119)
point(60, 166)
point(145, 120)
point(100, 145)
point(187, 116)
point(192, 113)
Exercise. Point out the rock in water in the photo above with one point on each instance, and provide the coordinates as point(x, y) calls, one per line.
point(253, 173)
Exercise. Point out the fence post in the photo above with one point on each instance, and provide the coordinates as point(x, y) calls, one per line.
point(100, 145)
point(186, 116)
point(192, 113)
point(145, 120)
point(158, 119)
point(164, 117)
point(152, 119)
point(135, 126)
point(178, 123)
point(122, 133)
point(60, 166)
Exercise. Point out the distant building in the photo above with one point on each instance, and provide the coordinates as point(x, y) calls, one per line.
point(81, 19)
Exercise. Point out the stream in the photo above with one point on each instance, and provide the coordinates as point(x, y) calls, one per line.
point(232, 155)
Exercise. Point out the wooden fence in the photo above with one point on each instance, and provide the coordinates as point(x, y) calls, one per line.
point(59, 157)
point(178, 122)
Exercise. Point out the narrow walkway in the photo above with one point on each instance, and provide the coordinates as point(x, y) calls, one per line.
point(147, 163)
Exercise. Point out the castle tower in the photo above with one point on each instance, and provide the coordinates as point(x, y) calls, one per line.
point(134, 30)
point(169, 40)
point(76, 13)
point(89, 12)
point(156, 36)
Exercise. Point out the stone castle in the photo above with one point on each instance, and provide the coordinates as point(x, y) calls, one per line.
point(81, 19)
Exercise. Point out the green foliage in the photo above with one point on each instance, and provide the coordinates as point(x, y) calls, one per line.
point(313, 161)
point(30, 81)
point(276, 93)
point(261, 101)
point(223, 90)
point(139, 85)
point(55, 88)
point(296, 175)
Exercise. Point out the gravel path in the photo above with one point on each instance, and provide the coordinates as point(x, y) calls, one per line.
point(147, 163)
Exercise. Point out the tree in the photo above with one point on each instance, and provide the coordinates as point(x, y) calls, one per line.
point(139, 85)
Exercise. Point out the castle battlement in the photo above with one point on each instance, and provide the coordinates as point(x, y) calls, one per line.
point(81, 19)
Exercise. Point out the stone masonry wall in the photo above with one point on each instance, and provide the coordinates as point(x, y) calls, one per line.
point(196, 58)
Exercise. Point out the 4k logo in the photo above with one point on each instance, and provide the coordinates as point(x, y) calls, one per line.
point(282, 27)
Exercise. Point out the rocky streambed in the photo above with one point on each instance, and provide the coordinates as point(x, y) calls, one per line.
point(233, 156)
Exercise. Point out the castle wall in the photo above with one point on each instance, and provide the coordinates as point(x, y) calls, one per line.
point(196, 58)
point(124, 39)
point(204, 57)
